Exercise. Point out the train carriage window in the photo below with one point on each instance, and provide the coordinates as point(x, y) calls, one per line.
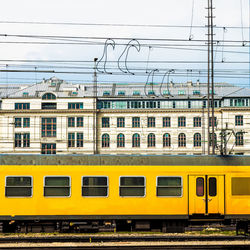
point(132, 186)
point(212, 186)
point(94, 186)
point(200, 186)
point(240, 185)
point(169, 186)
point(18, 186)
point(57, 186)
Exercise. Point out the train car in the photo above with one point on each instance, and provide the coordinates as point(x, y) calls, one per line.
point(41, 194)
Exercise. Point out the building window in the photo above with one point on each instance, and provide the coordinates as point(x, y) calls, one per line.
point(75, 105)
point(166, 122)
point(105, 122)
point(120, 141)
point(239, 120)
point(26, 122)
point(18, 122)
point(94, 186)
point(48, 127)
point(71, 140)
point(22, 140)
point(197, 140)
point(197, 122)
point(49, 105)
point(18, 186)
point(57, 186)
point(169, 186)
point(48, 148)
point(79, 140)
point(22, 106)
point(132, 186)
point(151, 140)
point(181, 140)
point(181, 121)
point(79, 122)
point(26, 140)
point(120, 122)
point(136, 141)
point(105, 141)
point(151, 122)
point(135, 122)
point(18, 140)
point(166, 140)
point(210, 139)
point(48, 96)
point(210, 121)
point(71, 122)
point(239, 139)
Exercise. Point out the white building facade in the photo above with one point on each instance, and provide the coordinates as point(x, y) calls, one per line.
point(56, 117)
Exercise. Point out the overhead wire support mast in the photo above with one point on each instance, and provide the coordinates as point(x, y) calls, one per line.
point(210, 79)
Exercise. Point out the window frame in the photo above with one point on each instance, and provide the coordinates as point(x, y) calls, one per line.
point(182, 121)
point(57, 196)
point(5, 185)
point(145, 186)
point(171, 176)
point(95, 176)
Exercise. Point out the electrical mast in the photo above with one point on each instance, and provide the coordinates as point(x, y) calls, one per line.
point(210, 78)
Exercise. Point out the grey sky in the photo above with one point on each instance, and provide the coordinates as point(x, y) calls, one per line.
point(161, 12)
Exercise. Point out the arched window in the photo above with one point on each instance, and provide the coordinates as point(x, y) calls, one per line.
point(105, 141)
point(48, 96)
point(197, 140)
point(239, 139)
point(120, 141)
point(166, 140)
point(181, 140)
point(151, 140)
point(136, 141)
point(210, 139)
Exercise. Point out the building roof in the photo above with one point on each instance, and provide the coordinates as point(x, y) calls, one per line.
point(65, 89)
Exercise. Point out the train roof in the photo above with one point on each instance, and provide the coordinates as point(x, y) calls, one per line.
point(132, 160)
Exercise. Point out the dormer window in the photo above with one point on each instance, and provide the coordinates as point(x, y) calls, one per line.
point(166, 92)
point(48, 96)
point(136, 92)
point(121, 93)
point(181, 92)
point(151, 92)
point(25, 94)
point(106, 93)
point(196, 92)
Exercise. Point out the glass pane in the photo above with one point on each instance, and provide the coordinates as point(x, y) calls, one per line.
point(132, 191)
point(241, 186)
point(200, 186)
point(56, 181)
point(94, 191)
point(169, 181)
point(168, 191)
point(132, 181)
point(94, 181)
point(18, 192)
point(56, 191)
point(212, 186)
point(18, 181)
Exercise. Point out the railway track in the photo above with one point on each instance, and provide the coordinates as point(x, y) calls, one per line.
point(122, 238)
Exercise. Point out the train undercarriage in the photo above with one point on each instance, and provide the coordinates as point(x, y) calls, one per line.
point(118, 225)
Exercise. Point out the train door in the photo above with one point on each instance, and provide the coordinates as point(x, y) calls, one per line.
point(206, 194)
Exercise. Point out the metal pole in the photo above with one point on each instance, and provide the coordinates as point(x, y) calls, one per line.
point(208, 80)
point(212, 76)
point(95, 147)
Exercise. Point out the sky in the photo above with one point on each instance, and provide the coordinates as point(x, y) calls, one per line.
point(186, 57)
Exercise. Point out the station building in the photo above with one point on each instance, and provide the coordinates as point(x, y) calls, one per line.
point(57, 117)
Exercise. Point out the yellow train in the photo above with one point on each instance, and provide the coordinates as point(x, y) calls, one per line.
point(164, 196)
